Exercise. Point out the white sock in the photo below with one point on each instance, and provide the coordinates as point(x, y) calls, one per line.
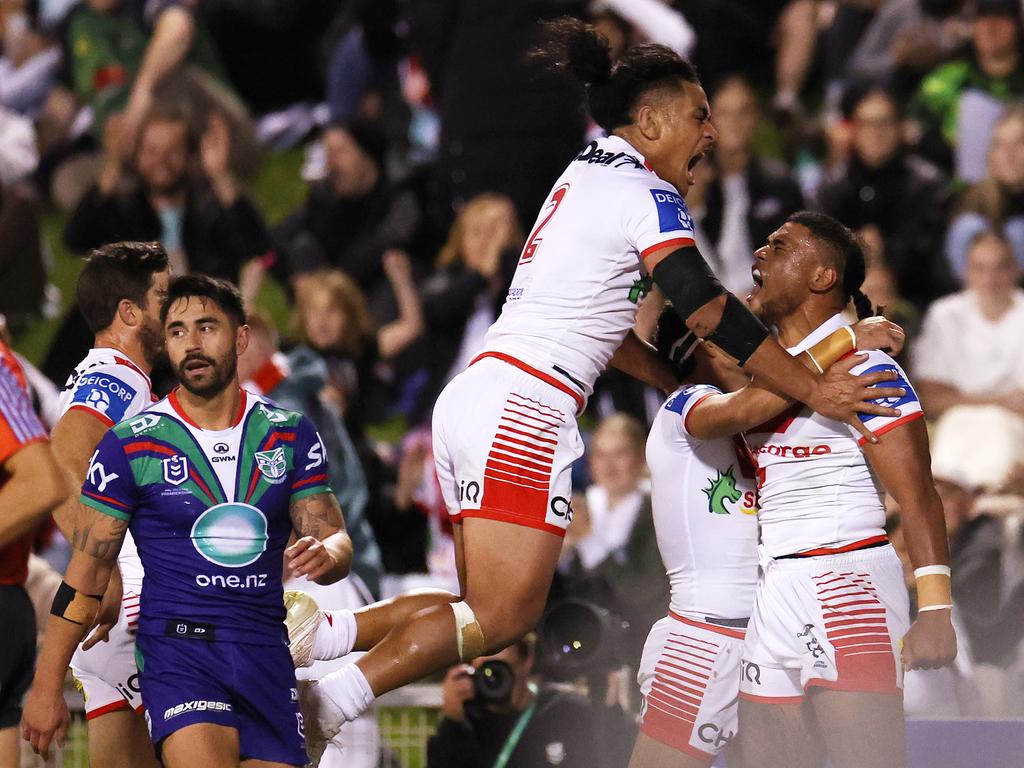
point(335, 636)
point(348, 690)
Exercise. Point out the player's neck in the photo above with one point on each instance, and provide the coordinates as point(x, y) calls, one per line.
point(126, 343)
point(214, 413)
point(803, 321)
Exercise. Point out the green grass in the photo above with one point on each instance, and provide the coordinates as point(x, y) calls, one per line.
point(277, 189)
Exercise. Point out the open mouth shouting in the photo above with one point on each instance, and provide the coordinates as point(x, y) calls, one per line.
point(692, 165)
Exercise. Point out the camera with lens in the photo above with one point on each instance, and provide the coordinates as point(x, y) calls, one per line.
point(580, 638)
point(492, 682)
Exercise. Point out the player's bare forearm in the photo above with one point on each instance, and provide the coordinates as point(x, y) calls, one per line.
point(74, 440)
point(34, 487)
point(640, 360)
point(902, 463)
point(782, 372)
point(323, 551)
point(96, 541)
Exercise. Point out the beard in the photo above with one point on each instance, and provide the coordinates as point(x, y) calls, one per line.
point(222, 373)
point(152, 339)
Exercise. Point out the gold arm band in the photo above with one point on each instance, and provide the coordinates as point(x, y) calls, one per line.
point(73, 606)
point(832, 348)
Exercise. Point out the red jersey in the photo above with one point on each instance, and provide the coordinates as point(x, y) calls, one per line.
point(19, 426)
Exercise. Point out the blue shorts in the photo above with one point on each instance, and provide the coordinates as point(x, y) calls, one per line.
point(250, 688)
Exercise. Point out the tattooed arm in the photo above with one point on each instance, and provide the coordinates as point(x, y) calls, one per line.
point(323, 552)
point(96, 540)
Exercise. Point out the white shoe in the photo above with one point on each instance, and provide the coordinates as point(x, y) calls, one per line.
point(302, 617)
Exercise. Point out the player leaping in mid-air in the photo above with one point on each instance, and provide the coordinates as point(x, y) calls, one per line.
point(212, 481)
point(504, 430)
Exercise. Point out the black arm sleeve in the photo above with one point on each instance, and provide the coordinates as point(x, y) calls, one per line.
point(689, 283)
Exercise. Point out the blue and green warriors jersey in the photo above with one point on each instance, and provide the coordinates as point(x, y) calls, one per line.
point(209, 511)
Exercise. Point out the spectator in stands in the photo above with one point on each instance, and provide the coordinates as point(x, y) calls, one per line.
point(352, 216)
point(998, 201)
point(905, 40)
point(971, 351)
point(959, 102)
point(28, 60)
point(296, 381)
point(881, 287)
point(746, 197)
point(882, 185)
point(464, 296)
point(203, 219)
point(559, 728)
point(22, 271)
point(332, 317)
point(611, 550)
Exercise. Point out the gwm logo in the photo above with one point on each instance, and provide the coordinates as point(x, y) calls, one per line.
point(232, 535)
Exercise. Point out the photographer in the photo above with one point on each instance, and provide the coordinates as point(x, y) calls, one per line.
point(494, 717)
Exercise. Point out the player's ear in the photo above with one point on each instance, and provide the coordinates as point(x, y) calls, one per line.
point(242, 340)
point(824, 279)
point(129, 312)
point(649, 120)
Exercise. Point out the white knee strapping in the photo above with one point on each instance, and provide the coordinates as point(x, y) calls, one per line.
point(469, 637)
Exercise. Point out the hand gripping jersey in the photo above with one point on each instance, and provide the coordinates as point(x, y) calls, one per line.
point(111, 387)
point(705, 513)
point(579, 282)
point(209, 511)
point(816, 488)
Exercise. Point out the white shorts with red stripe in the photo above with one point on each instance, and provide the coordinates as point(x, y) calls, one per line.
point(829, 621)
point(106, 673)
point(689, 677)
point(504, 443)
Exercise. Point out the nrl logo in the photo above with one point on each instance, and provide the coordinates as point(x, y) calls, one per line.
point(272, 464)
point(176, 470)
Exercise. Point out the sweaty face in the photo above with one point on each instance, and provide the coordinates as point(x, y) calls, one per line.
point(782, 272)
point(202, 345)
point(686, 134)
point(151, 333)
point(162, 156)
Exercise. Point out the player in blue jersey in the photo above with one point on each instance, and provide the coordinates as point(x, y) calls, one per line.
point(212, 481)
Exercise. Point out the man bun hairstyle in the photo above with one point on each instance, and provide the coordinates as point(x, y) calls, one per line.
point(849, 253)
point(221, 292)
point(611, 89)
point(113, 273)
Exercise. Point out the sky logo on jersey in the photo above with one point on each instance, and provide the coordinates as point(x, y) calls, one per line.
point(673, 215)
point(104, 394)
point(232, 535)
point(890, 402)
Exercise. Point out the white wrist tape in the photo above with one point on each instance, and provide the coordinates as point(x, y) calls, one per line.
point(934, 608)
point(932, 570)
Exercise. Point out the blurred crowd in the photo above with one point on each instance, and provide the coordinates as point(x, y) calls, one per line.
point(429, 141)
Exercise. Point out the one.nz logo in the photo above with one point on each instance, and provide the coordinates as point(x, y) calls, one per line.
point(272, 464)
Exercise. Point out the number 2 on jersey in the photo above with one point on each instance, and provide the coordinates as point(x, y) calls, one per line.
point(535, 237)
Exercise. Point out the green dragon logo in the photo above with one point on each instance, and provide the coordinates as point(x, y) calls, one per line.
point(641, 287)
point(721, 489)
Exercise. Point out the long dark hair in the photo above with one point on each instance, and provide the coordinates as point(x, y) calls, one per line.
point(847, 247)
point(612, 90)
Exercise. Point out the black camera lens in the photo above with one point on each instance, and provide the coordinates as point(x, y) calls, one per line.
point(573, 631)
point(493, 681)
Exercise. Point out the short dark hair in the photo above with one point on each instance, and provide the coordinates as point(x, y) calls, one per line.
point(848, 251)
point(612, 90)
point(221, 292)
point(113, 273)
